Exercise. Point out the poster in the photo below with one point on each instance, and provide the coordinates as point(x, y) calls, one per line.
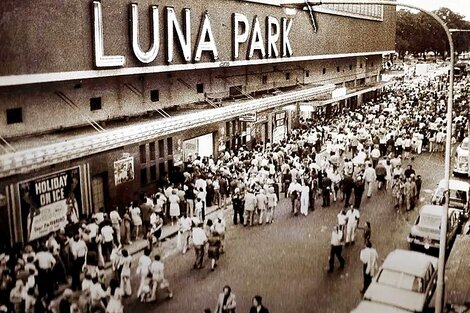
point(124, 170)
point(50, 202)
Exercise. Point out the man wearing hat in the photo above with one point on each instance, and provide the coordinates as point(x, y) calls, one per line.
point(237, 201)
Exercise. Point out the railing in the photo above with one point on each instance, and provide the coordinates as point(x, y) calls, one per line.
point(46, 155)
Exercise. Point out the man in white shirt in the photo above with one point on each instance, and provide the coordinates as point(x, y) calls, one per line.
point(353, 216)
point(336, 248)
point(185, 229)
point(116, 222)
point(45, 263)
point(369, 177)
point(78, 249)
point(107, 232)
point(370, 259)
point(199, 240)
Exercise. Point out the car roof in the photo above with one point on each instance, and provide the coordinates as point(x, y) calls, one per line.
point(374, 307)
point(409, 262)
point(455, 185)
point(431, 209)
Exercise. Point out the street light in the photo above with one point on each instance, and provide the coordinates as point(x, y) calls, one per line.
point(443, 234)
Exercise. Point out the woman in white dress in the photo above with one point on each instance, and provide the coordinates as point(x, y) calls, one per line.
point(143, 271)
point(174, 206)
point(136, 219)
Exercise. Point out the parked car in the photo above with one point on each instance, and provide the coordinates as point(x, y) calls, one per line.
point(406, 281)
point(374, 307)
point(461, 158)
point(459, 192)
point(426, 230)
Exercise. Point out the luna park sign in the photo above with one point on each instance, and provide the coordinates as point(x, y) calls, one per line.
point(270, 42)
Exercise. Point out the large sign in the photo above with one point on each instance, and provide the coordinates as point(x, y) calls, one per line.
point(271, 42)
point(49, 203)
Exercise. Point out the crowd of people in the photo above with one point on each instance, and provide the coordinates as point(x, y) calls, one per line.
point(365, 151)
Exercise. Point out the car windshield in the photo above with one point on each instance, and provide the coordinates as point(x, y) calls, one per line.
point(401, 280)
point(429, 221)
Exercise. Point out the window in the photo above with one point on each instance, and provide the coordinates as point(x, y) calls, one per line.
point(169, 145)
point(200, 88)
point(324, 71)
point(337, 69)
point(227, 129)
point(161, 148)
point(153, 173)
point(143, 154)
point(350, 67)
point(307, 73)
point(161, 169)
point(155, 95)
point(152, 151)
point(372, 64)
point(265, 80)
point(95, 104)
point(15, 116)
point(143, 176)
point(360, 65)
point(287, 76)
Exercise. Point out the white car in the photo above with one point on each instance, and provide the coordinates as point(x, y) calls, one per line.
point(459, 194)
point(461, 158)
point(406, 280)
point(426, 230)
point(373, 307)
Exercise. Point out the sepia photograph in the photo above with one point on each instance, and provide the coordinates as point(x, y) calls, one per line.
point(235, 156)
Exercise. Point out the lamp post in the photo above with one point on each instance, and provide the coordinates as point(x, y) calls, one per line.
point(443, 231)
point(452, 31)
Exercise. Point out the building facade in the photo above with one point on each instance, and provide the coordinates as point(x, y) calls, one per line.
point(100, 100)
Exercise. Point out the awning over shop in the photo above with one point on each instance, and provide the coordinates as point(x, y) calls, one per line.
point(349, 95)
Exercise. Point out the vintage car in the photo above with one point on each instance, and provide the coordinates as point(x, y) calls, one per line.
point(459, 192)
point(374, 307)
point(406, 281)
point(461, 158)
point(426, 230)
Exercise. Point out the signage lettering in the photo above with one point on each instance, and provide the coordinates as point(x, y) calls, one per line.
point(272, 41)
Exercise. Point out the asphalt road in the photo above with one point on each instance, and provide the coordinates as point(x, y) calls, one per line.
point(286, 262)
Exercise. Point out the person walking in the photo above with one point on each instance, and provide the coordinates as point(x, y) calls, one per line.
point(326, 190)
point(213, 251)
point(226, 301)
point(272, 203)
point(358, 191)
point(116, 221)
point(115, 298)
point(336, 248)
point(304, 198)
point(370, 177)
point(370, 259)
point(174, 206)
point(125, 269)
point(185, 231)
point(157, 270)
point(262, 205)
point(353, 216)
point(237, 201)
point(348, 186)
point(78, 250)
point(143, 271)
point(250, 205)
point(258, 306)
point(199, 240)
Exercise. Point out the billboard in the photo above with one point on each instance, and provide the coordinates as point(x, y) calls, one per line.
point(50, 202)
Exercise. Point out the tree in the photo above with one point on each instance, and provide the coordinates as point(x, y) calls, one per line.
point(418, 33)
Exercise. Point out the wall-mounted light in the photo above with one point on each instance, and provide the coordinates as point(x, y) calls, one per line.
point(290, 11)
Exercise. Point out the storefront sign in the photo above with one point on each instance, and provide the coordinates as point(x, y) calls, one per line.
point(248, 117)
point(124, 170)
point(270, 42)
point(49, 203)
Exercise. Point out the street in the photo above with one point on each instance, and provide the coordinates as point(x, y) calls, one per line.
point(286, 262)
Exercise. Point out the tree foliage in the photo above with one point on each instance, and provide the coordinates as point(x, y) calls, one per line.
point(418, 33)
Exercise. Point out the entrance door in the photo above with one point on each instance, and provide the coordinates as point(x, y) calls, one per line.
point(98, 192)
